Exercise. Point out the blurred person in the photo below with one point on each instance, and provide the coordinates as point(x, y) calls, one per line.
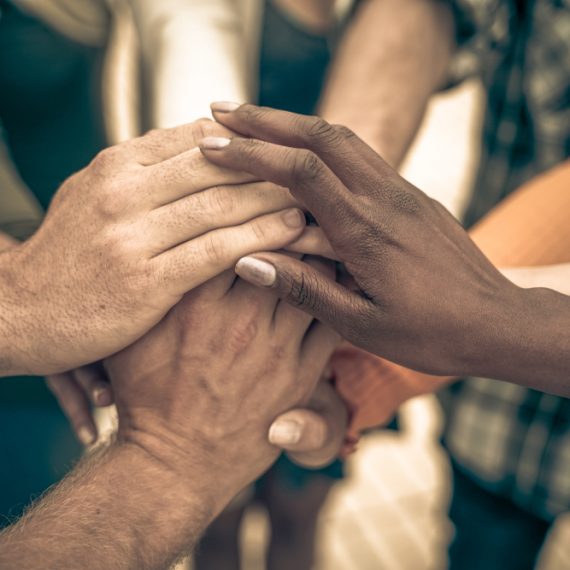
point(520, 50)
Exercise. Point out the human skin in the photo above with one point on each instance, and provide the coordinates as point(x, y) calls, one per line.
point(196, 396)
point(122, 242)
point(527, 235)
point(380, 81)
point(392, 79)
point(378, 225)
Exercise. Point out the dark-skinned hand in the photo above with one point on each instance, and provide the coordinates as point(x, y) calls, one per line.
point(427, 297)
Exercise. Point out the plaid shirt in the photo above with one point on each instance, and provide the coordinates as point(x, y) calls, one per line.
point(515, 441)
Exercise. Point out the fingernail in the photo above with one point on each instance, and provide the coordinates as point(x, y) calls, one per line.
point(86, 436)
point(101, 397)
point(285, 432)
point(256, 271)
point(224, 106)
point(294, 218)
point(215, 143)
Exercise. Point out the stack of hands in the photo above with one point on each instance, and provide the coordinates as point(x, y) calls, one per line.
point(208, 369)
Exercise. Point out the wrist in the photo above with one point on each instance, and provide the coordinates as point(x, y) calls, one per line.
point(171, 508)
point(520, 339)
point(9, 317)
point(17, 325)
point(493, 327)
point(189, 468)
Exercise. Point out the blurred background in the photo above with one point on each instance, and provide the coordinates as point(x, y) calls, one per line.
point(388, 509)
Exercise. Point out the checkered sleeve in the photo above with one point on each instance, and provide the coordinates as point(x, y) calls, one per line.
point(483, 33)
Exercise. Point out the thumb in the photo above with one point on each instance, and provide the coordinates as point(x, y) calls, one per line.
point(307, 437)
point(309, 290)
point(313, 436)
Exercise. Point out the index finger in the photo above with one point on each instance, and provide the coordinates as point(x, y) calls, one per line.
point(349, 157)
point(159, 145)
point(300, 170)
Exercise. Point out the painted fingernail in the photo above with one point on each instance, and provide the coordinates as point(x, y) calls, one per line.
point(285, 432)
point(102, 397)
point(224, 106)
point(215, 143)
point(294, 218)
point(86, 436)
point(256, 271)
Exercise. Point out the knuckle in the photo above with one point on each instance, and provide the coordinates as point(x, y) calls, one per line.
point(251, 113)
point(252, 147)
point(112, 203)
point(406, 202)
point(243, 331)
point(402, 197)
point(319, 131)
point(215, 250)
point(105, 160)
point(152, 140)
point(222, 201)
point(302, 291)
point(260, 231)
point(119, 247)
point(202, 128)
point(344, 133)
point(307, 167)
point(141, 280)
point(154, 135)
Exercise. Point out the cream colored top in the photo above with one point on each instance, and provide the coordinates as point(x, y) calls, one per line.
point(198, 50)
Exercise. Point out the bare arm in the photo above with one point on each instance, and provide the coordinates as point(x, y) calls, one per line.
point(58, 311)
point(120, 509)
point(481, 325)
point(185, 447)
point(394, 56)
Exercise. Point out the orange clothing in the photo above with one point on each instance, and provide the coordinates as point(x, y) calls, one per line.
point(529, 228)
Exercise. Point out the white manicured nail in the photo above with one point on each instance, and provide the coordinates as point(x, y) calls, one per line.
point(224, 106)
point(215, 143)
point(285, 432)
point(256, 271)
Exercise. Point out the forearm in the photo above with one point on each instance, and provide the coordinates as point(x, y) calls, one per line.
point(395, 54)
point(524, 338)
point(8, 305)
point(119, 509)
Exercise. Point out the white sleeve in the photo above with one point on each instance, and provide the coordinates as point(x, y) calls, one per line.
point(555, 277)
point(194, 52)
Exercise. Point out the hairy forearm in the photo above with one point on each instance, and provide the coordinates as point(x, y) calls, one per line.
point(120, 508)
point(7, 314)
point(394, 56)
